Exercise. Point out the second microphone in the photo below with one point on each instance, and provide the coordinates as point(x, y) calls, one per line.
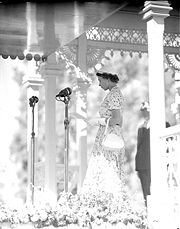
point(65, 92)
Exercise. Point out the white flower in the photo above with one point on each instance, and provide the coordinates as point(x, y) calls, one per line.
point(35, 217)
point(100, 208)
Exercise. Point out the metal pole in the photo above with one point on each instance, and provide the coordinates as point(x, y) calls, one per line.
point(65, 99)
point(32, 101)
point(66, 151)
point(32, 156)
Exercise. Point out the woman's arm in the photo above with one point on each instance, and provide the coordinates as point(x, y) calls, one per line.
point(116, 118)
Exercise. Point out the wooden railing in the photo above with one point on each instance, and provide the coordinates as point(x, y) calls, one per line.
point(171, 143)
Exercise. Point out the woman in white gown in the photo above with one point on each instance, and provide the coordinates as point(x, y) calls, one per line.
point(105, 170)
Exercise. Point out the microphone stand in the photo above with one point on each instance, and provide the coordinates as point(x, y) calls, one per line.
point(66, 100)
point(32, 101)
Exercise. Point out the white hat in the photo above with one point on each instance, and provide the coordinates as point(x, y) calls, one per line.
point(145, 105)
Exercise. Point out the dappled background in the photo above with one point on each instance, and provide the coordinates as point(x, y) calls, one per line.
point(133, 73)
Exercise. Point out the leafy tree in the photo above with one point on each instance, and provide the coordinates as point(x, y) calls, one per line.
point(18, 147)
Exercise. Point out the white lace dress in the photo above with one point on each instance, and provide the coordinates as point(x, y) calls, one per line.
point(105, 169)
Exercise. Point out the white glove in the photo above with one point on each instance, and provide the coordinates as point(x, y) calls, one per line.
point(102, 121)
point(96, 122)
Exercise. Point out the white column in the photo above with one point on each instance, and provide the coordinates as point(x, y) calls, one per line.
point(50, 71)
point(32, 81)
point(81, 107)
point(155, 13)
point(81, 130)
point(32, 37)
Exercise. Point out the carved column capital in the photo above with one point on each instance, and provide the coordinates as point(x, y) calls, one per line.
point(32, 78)
point(33, 82)
point(50, 70)
point(156, 9)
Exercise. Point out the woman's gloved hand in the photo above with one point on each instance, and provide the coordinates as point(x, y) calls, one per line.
point(92, 122)
point(97, 121)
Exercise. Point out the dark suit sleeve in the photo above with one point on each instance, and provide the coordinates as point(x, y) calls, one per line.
point(139, 138)
point(167, 124)
point(142, 159)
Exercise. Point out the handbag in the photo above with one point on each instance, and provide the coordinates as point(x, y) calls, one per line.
point(112, 141)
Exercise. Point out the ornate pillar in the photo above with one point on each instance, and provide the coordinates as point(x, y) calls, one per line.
point(175, 107)
point(81, 107)
point(32, 81)
point(49, 72)
point(154, 14)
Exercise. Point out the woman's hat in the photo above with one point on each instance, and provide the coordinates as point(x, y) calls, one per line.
point(145, 105)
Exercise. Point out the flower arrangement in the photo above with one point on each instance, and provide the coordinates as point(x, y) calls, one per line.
point(84, 210)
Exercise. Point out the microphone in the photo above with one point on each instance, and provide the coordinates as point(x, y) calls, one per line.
point(65, 92)
point(33, 100)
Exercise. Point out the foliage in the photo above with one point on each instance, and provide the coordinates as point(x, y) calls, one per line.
point(18, 146)
point(133, 73)
point(80, 209)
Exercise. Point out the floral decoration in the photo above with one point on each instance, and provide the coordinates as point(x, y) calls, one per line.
point(83, 210)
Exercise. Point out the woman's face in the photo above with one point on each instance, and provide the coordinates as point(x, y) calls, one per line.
point(103, 83)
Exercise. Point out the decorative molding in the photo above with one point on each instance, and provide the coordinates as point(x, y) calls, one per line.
point(117, 35)
point(119, 39)
point(173, 61)
point(27, 56)
point(172, 40)
point(128, 36)
point(68, 53)
point(94, 54)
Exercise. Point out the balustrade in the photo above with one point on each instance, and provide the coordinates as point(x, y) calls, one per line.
point(171, 149)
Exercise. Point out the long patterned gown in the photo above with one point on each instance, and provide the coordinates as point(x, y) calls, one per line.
point(105, 169)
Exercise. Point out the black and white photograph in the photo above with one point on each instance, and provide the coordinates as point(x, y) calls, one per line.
point(90, 114)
